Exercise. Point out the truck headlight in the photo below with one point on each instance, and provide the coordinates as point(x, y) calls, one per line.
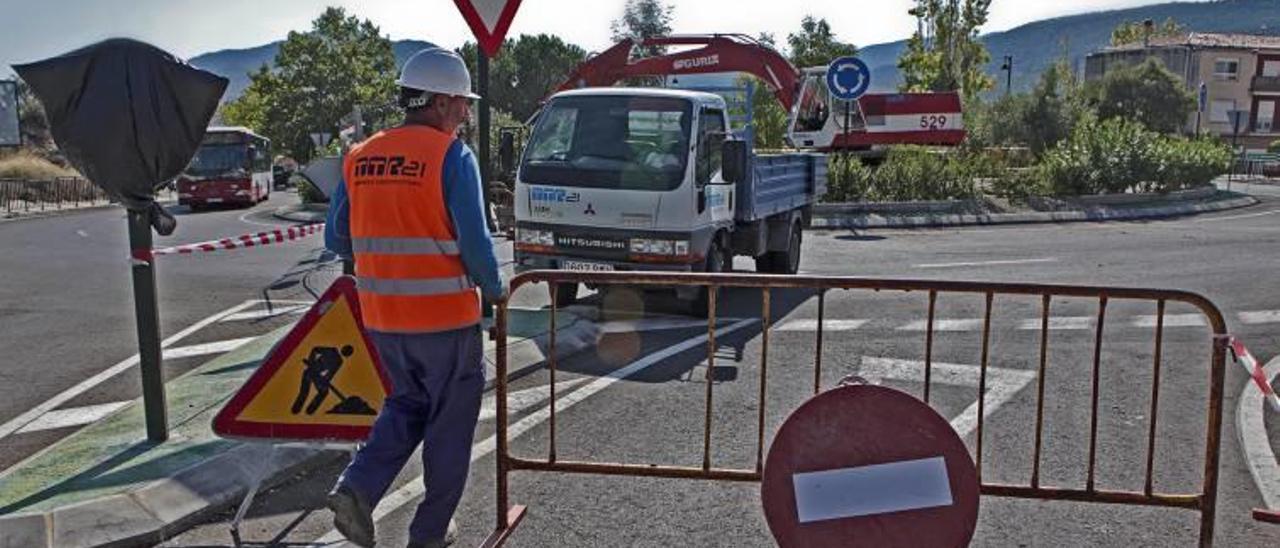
point(648, 246)
point(535, 237)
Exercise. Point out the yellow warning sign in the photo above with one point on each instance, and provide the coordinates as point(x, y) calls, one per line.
point(322, 382)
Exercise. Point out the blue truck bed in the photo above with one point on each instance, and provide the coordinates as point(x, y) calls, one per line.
point(781, 183)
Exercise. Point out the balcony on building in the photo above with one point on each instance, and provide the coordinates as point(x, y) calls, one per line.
point(1266, 84)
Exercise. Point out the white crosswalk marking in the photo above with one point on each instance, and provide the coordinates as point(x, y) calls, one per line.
point(205, 349)
point(971, 324)
point(1171, 320)
point(1061, 323)
point(518, 402)
point(1260, 317)
point(76, 416)
point(1002, 384)
point(827, 325)
point(264, 313)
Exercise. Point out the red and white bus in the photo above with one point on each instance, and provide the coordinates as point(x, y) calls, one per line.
point(232, 166)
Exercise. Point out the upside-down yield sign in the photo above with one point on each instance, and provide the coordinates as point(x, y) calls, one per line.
point(869, 466)
point(322, 382)
point(489, 21)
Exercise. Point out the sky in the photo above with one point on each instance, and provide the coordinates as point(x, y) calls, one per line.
point(35, 29)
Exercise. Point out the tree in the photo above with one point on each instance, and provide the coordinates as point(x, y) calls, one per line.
point(528, 69)
point(1147, 93)
point(643, 19)
point(815, 45)
point(945, 53)
point(32, 119)
point(1132, 32)
point(1040, 119)
point(319, 77)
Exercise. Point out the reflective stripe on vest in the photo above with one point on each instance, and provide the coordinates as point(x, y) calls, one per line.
point(409, 271)
point(424, 287)
point(404, 246)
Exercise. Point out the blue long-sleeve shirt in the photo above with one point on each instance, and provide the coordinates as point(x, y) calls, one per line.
point(462, 195)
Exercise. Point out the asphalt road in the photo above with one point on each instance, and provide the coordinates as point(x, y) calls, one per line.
point(68, 316)
point(638, 397)
point(66, 305)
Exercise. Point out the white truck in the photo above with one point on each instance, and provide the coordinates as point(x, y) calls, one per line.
point(618, 179)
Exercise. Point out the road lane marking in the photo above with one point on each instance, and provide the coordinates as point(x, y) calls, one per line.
point(1233, 217)
point(264, 313)
point(1252, 431)
point(1002, 383)
point(1171, 320)
point(987, 263)
point(88, 384)
point(205, 349)
point(413, 489)
point(76, 416)
point(1059, 323)
point(968, 324)
point(1260, 317)
point(827, 325)
point(518, 402)
point(654, 324)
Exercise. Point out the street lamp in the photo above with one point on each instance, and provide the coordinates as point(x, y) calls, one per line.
point(1007, 67)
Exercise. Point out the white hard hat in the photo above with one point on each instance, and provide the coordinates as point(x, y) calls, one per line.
point(437, 70)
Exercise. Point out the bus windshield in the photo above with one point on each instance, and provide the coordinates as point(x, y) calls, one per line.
point(636, 143)
point(215, 160)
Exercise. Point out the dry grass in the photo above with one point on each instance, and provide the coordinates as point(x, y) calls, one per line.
point(25, 166)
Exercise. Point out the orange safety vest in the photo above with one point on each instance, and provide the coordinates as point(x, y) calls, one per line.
point(410, 275)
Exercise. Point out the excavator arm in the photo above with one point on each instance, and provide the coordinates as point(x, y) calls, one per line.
point(719, 53)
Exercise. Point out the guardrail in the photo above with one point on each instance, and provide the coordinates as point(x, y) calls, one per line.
point(52, 195)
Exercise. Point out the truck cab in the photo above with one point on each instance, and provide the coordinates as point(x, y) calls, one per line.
point(617, 179)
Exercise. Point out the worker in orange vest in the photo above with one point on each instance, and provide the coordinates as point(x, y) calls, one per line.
point(411, 213)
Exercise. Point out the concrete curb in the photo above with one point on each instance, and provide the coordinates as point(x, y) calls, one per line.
point(165, 507)
point(301, 213)
point(823, 220)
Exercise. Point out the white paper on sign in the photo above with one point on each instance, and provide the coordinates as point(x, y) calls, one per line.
point(871, 490)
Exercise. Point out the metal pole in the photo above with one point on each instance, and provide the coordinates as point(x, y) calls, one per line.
point(147, 312)
point(483, 65)
point(1008, 68)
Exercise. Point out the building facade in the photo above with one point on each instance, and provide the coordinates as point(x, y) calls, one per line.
point(1239, 72)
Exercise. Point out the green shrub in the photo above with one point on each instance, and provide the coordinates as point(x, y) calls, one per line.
point(1019, 184)
point(308, 192)
point(1120, 155)
point(848, 180)
point(25, 166)
point(910, 173)
point(1274, 147)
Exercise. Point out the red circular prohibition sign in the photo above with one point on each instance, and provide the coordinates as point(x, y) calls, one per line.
point(869, 466)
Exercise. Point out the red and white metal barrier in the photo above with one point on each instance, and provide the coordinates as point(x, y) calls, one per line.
point(1256, 371)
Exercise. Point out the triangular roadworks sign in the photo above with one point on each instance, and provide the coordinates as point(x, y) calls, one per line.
point(489, 21)
point(323, 381)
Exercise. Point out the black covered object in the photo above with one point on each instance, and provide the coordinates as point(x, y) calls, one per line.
point(127, 114)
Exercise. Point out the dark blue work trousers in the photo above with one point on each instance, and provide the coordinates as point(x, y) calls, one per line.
point(438, 380)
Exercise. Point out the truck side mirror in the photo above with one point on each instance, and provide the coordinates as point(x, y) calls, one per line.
point(733, 154)
point(507, 152)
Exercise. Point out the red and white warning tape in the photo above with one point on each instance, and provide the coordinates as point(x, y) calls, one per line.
point(1256, 372)
point(247, 240)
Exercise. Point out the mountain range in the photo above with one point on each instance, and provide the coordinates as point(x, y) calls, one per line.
point(1034, 46)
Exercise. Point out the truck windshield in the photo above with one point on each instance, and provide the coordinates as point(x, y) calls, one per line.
point(216, 160)
point(635, 143)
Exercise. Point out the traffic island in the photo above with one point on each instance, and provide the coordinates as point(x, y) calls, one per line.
point(107, 485)
point(1117, 207)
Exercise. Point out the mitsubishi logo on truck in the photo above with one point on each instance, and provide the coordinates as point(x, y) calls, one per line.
point(590, 210)
point(696, 62)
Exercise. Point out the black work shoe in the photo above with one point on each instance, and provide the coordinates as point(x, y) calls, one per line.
point(351, 515)
point(450, 536)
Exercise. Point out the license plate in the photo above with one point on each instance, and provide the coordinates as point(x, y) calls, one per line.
point(214, 200)
point(586, 267)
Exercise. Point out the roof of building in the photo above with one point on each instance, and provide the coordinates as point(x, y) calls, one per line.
point(1206, 40)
